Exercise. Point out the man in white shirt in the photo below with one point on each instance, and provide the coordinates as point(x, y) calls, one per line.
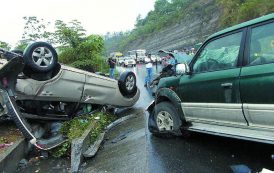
point(148, 62)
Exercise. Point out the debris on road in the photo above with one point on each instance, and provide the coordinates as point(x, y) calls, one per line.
point(22, 164)
point(6, 145)
point(121, 136)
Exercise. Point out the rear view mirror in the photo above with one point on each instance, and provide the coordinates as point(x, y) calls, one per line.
point(182, 69)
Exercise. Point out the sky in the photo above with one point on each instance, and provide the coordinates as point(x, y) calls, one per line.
point(96, 16)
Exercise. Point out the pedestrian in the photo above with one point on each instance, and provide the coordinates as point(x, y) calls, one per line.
point(192, 51)
point(111, 63)
point(148, 70)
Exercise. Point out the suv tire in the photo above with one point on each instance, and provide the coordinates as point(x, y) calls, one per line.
point(167, 120)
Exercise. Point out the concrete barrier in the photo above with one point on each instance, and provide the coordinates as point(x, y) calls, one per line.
point(81, 147)
point(12, 156)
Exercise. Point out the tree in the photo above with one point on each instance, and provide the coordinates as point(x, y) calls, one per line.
point(22, 44)
point(139, 21)
point(37, 29)
point(86, 55)
point(4, 45)
point(71, 34)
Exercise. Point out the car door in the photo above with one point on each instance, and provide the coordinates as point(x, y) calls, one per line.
point(257, 77)
point(67, 86)
point(211, 92)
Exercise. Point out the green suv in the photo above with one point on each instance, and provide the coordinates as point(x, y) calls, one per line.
point(227, 89)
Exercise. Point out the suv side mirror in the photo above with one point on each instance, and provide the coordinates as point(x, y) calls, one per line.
point(182, 69)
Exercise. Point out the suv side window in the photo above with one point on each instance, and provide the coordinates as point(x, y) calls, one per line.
point(262, 45)
point(219, 54)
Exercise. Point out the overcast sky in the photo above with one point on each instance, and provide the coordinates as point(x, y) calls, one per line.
point(96, 16)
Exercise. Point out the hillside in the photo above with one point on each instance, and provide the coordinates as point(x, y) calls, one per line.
point(185, 33)
point(178, 24)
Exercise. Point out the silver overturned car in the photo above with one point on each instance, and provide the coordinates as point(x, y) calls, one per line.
point(35, 86)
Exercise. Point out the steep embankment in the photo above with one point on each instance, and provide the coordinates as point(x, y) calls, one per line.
point(194, 28)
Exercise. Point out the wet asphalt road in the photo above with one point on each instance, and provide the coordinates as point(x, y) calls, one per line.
point(200, 152)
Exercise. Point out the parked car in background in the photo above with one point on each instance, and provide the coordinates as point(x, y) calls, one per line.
point(36, 86)
point(129, 61)
point(139, 55)
point(226, 89)
point(121, 61)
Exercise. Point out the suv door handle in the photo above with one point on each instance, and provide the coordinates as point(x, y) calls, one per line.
point(226, 85)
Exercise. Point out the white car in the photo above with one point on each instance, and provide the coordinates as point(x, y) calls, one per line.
point(129, 61)
point(121, 61)
point(35, 86)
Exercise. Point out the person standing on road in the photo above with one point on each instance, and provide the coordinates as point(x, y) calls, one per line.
point(111, 64)
point(148, 70)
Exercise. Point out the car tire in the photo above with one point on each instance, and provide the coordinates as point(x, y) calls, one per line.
point(167, 120)
point(40, 57)
point(127, 84)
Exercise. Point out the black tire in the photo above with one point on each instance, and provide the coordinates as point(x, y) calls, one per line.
point(167, 109)
point(127, 84)
point(40, 57)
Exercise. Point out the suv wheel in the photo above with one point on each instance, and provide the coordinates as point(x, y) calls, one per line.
point(167, 120)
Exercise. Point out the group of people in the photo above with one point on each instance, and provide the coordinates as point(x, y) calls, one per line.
point(169, 60)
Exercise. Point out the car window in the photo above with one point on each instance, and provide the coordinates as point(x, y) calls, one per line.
point(219, 54)
point(262, 45)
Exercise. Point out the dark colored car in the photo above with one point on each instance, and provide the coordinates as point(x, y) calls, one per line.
point(227, 88)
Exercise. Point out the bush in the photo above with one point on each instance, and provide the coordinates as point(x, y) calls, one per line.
point(75, 128)
point(86, 56)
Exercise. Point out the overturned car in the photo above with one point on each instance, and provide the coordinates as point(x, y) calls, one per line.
point(35, 86)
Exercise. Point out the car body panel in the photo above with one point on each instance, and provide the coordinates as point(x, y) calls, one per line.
point(207, 87)
point(74, 85)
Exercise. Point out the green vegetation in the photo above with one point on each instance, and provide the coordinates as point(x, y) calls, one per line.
point(2, 140)
point(169, 12)
point(4, 45)
point(75, 128)
point(238, 11)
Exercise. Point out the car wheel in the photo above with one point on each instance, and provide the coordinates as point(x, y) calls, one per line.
point(40, 57)
point(127, 84)
point(167, 120)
